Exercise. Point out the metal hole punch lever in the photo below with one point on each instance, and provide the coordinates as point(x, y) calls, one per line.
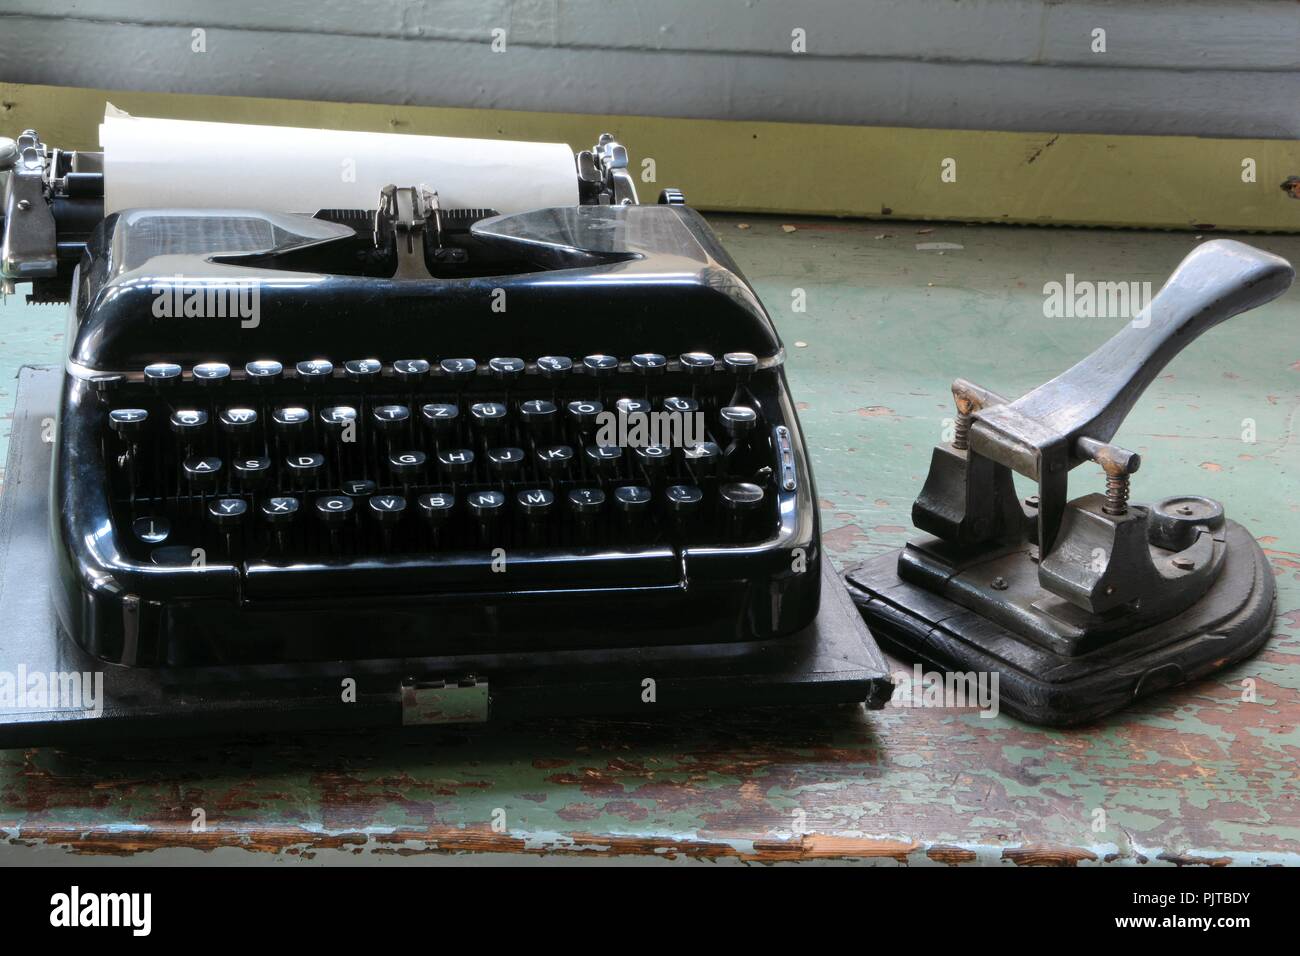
point(1079, 605)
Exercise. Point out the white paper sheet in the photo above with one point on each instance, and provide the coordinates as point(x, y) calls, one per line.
point(183, 163)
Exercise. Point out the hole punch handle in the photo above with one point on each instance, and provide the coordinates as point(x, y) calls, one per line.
point(1038, 435)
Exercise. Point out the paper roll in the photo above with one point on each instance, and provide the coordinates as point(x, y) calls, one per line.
point(182, 163)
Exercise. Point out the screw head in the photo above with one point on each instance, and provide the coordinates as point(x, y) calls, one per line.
point(999, 584)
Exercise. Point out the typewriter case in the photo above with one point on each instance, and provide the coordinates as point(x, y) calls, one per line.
point(578, 281)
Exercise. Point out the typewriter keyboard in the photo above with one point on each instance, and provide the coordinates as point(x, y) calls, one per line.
point(274, 461)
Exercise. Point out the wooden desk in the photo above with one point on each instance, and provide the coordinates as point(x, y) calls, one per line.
point(1194, 776)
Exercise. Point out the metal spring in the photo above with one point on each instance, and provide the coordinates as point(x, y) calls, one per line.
point(961, 431)
point(1116, 495)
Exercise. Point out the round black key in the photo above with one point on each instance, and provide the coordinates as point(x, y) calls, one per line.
point(335, 418)
point(189, 422)
point(679, 405)
point(162, 374)
point(359, 488)
point(537, 413)
point(506, 369)
point(458, 369)
point(740, 496)
point(696, 364)
point(604, 459)
point(683, 499)
point(554, 366)
point(485, 505)
point(105, 383)
point(650, 363)
point(654, 457)
point(632, 500)
point(406, 465)
point(279, 511)
point(555, 460)
point(488, 414)
point(535, 502)
point(586, 502)
point(251, 472)
point(390, 419)
point(457, 462)
point(238, 421)
point(211, 373)
point(600, 366)
point(410, 371)
point(440, 417)
point(202, 471)
point(628, 407)
point(333, 510)
point(305, 468)
point(264, 371)
point(128, 422)
point(314, 371)
point(152, 529)
point(227, 513)
point(436, 507)
point(290, 421)
point(387, 509)
point(703, 457)
point(505, 463)
point(584, 412)
point(740, 364)
point(738, 420)
point(363, 371)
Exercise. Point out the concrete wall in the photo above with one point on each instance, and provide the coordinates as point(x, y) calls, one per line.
point(1199, 67)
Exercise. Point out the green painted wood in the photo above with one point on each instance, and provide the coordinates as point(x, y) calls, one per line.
point(1195, 775)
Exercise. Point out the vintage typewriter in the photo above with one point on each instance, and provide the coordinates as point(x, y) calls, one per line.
point(414, 432)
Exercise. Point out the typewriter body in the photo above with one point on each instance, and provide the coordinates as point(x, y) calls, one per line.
point(414, 431)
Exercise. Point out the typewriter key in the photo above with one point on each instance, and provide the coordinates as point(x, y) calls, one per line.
point(739, 499)
point(130, 423)
point(188, 423)
point(682, 502)
point(252, 472)
point(264, 372)
point(333, 510)
point(162, 375)
point(359, 488)
point(363, 371)
point(457, 463)
point(388, 511)
point(151, 530)
point(202, 472)
point(603, 460)
point(586, 504)
point(305, 469)
point(406, 466)
point(504, 463)
point(211, 373)
point(554, 366)
point(410, 371)
point(314, 371)
point(554, 461)
point(583, 413)
point(632, 504)
point(536, 505)
point(538, 417)
point(506, 370)
point(600, 366)
point(436, 508)
point(650, 363)
point(458, 370)
point(702, 459)
point(486, 508)
point(279, 513)
point(441, 419)
point(696, 364)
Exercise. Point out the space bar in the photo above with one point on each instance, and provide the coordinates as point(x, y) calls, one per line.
point(468, 571)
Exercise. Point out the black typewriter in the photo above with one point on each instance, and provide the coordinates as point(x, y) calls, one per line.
point(291, 438)
point(556, 446)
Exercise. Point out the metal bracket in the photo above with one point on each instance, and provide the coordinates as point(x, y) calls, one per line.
point(29, 249)
point(603, 177)
point(464, 701)
point(1096, 553)
point(407, 219)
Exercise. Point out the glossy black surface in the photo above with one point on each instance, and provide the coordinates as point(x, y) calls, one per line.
point(367, 468)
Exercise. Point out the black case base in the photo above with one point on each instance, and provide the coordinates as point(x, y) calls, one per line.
point(1231, 622)
point(833, 661)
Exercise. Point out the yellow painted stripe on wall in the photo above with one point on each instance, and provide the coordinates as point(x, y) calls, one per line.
point(1166, 182)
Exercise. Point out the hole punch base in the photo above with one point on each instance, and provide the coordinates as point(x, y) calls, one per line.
point(1229, 623)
